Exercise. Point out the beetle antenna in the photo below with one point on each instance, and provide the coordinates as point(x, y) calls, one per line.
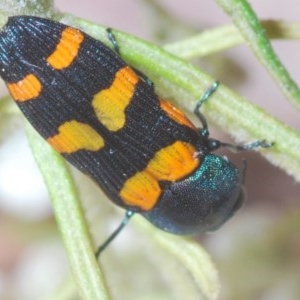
point(247, 147)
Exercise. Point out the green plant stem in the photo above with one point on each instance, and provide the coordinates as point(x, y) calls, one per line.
point(250, 27)
point(70, 218)
point(221, 38)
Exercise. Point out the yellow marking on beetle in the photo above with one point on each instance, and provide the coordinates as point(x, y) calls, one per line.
point(173, 162)
point(175, 114)
point(170, 163)
point(26, 89)
point(73, 136)
point(141, 190)
point(67, 49)
point(110, 104)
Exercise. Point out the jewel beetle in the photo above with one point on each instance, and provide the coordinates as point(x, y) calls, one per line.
point(106, 119)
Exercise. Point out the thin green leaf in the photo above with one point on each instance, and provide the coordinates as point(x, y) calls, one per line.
point(70, 218)
point(228, 36)
point(250, 27)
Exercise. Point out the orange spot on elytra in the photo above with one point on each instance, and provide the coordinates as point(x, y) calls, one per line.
point(175, 114)
point(73, 136)
point(110, 104)
point(173, 162)
point(67, 48)
point(141, 190)
point(26, 89)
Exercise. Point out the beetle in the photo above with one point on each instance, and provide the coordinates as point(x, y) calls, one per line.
point(106, 119)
